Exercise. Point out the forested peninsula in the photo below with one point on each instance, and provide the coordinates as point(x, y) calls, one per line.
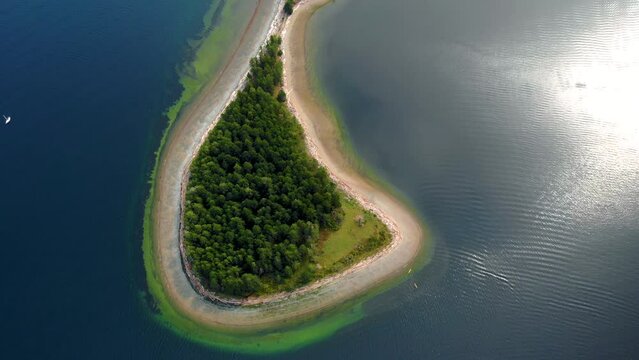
point(341, 267)
point(260, 214)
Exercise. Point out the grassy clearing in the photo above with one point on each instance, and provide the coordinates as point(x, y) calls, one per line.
point(361, 234)
point(358, 226)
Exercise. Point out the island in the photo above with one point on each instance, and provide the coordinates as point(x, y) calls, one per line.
point(257, 220)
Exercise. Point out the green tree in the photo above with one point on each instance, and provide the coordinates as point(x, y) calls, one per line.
point(281, 96)
point(288, 7)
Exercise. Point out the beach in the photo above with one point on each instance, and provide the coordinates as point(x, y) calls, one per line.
point(322, 138)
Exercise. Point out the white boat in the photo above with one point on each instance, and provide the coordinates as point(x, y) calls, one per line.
point(6, 119)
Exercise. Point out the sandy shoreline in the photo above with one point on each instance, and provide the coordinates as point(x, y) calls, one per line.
point(322, 139)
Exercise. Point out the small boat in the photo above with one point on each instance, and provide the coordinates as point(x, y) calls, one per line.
point(6, 119)
point(415, 285)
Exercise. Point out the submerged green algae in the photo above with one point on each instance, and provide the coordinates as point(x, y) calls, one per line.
point(208, 50)
point(206, 59)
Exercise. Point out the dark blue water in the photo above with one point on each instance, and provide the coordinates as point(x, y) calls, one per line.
point(86, 83)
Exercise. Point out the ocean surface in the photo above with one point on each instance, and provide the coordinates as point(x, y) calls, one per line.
point(512, 126)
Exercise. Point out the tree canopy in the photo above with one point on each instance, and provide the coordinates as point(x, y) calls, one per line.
point(256, 200)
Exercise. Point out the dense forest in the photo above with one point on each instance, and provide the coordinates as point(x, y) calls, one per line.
point(256, 200)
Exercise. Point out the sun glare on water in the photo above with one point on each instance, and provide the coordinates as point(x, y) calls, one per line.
point(607, 89)
point(599, 86)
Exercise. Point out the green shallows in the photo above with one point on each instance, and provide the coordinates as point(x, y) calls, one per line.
point(217, 36)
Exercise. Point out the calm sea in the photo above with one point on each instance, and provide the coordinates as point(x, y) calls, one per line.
point(86, 83)
point(511, 125)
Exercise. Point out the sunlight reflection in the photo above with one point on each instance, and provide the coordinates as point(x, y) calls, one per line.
point(600, 85)
point(608, 89)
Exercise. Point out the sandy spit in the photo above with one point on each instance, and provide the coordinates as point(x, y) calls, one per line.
point(322, 138)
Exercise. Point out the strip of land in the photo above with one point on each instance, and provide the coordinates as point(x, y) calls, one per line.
point(322, 137)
